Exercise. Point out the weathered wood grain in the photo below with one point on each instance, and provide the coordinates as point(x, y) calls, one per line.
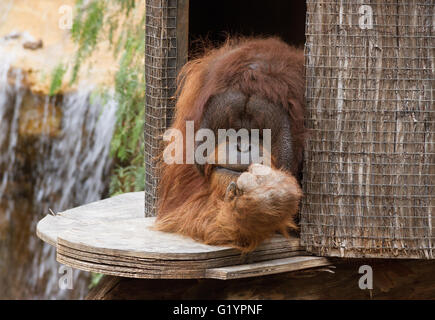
point(162, 264)
point(136, 238)
point(122, 207)
point(166, 46)
point(267, 267)
point(369, 171)
point(112, 237)
point(182, 33)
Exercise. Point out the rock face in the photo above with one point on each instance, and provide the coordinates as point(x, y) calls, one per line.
point(39, 116)
point(37, 36)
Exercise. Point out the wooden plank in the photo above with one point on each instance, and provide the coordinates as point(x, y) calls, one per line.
point(129, 272)
point(267, 267)
point(136, 238)
point(51, 226)
point(121, 207)
point(182, 33)
point(112, 237)
point(146, 271)
point(224, 273)
point(175, 264)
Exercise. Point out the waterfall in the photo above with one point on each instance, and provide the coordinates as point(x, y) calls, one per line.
point(8, 157)
point(63, 165)
point(75, 167)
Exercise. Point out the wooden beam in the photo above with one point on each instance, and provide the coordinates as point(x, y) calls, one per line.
point(267, 267)
point(182, 33)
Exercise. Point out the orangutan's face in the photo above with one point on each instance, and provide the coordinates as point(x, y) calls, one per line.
point(232, 109)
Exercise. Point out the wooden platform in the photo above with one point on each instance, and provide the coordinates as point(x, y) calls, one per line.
point(112, 237)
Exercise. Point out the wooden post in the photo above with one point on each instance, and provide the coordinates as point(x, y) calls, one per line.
point(166, 36)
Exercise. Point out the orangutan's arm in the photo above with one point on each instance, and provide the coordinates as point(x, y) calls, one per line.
point(253, 210)
point(260, 205)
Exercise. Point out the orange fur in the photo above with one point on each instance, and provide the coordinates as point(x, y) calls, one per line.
point(193, 204)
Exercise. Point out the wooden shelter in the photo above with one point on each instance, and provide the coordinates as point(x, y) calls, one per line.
point(173, 29)
point(369, 163)
point(369, 172)
point(166, 51)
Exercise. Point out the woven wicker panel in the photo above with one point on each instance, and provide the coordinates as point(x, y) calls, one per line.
point(160, 77)
point(369, 172)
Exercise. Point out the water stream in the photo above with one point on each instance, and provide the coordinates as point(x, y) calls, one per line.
point(54, 154)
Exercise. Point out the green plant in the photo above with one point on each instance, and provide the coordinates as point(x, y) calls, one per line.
point(96, 21)
point(56, 79)
point(95, 279)
point(85, 31)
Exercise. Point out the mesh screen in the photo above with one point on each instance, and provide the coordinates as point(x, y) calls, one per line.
point(160, 76)
point(370, 160)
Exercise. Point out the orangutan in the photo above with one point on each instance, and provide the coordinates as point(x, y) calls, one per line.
point(250, 83)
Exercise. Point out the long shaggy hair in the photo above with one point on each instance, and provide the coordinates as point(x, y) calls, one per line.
point(190, 202)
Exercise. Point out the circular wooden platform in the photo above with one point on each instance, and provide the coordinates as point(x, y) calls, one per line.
point(112, 237)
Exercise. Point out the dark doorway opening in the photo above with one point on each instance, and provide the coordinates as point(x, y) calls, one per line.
point(213, 21)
